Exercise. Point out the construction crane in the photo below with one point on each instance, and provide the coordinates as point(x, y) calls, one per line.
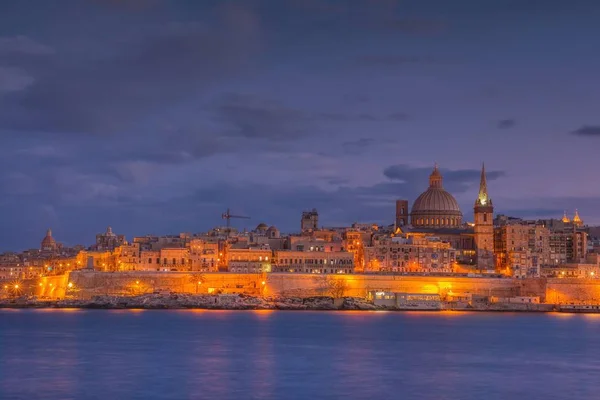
point(227, 216)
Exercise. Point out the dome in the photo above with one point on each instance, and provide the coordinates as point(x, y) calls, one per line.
point(436, 208)
point(48, 243)
point(434, 199)
point(261, 227)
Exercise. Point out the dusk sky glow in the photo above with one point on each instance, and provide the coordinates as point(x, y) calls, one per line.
point(154, 117)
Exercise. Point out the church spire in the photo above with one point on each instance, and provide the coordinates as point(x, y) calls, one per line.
point(483, 198)
point(577, 219)
point(565, 219)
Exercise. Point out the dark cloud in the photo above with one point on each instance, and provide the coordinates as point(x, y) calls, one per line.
point(414, 180)
point(506, 123)
point(252, 117)
point(394, 60)
point(587, 130)
point(22, 45)
point(112, 93)
point(398, 116)
point(358, 146)
point(415, 26)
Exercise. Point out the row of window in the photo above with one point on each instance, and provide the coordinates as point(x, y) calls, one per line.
point(311, 261)
point(437, 221)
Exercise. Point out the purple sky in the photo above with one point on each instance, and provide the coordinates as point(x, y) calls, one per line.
point(155, 116)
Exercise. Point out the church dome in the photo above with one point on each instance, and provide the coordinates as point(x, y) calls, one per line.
point(48, 243)
point(434, 199)
point(436, 208)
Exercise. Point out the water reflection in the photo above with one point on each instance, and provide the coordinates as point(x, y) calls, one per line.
point(195, 354)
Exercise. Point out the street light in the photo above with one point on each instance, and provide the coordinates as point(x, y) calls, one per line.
point(70, 285)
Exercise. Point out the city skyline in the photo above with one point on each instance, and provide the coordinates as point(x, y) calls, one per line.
point(183, 110)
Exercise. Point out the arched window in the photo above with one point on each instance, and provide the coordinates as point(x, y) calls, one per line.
point(437, 221)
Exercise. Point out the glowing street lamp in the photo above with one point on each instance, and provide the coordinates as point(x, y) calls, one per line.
point(70, 285)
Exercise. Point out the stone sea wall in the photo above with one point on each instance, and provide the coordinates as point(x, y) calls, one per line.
point(87, 284)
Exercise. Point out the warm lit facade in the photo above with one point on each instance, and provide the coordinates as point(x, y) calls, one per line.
point(484, 227)
point(314, 262)
point(249, 260)
point(521, 248)
point(410, 254)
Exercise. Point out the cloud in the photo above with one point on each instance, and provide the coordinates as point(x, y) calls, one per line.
point(506, 123)
point(415, 26)
point(587, 130)
point(393, 60)
point(13, 80)
point(414, 179)
point(24, 45)
point(138, 79)
point(358, 146)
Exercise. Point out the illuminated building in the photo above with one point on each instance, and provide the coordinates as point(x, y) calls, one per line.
point(48, 243)
point(435, 208)
point(484, 226)
point(435, 213)
point(108, 241)
point(249, 260)
point(314, 261)
point(415, 254)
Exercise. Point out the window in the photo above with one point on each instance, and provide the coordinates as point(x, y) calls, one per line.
point(484, 217)
point(149, 261)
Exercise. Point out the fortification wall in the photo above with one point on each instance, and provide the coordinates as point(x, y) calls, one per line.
point(87, 284)
point(572, 290)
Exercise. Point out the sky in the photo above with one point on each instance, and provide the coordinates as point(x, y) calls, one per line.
point(154, 117)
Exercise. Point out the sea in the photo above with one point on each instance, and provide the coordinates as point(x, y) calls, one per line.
point(202, 354)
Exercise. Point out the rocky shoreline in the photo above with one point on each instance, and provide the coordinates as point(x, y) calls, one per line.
point(188, 301)
point(179, 301)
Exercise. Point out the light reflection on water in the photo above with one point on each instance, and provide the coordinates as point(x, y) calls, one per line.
point(198, 354)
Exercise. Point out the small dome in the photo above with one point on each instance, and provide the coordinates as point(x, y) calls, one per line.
point(48, 242)
point(272, 228)
point(261, 227)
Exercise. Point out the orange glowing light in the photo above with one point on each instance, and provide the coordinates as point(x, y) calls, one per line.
point(263, 283)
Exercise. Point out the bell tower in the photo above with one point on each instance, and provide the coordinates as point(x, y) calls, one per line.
point(484, 226)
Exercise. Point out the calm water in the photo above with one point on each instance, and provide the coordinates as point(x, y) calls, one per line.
point(95, 354)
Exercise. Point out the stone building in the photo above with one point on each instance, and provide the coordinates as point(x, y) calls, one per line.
point(108, 241)
point(49, 244)
point(435, 208)
point(249, 260)
point(410, 254)
point(309, 221)
point(435, 213)
point(484, 227)
point(521, 248)
point(313, 261)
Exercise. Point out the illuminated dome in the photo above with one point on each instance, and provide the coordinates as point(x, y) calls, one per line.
point(436, 208)
point(48, 243)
